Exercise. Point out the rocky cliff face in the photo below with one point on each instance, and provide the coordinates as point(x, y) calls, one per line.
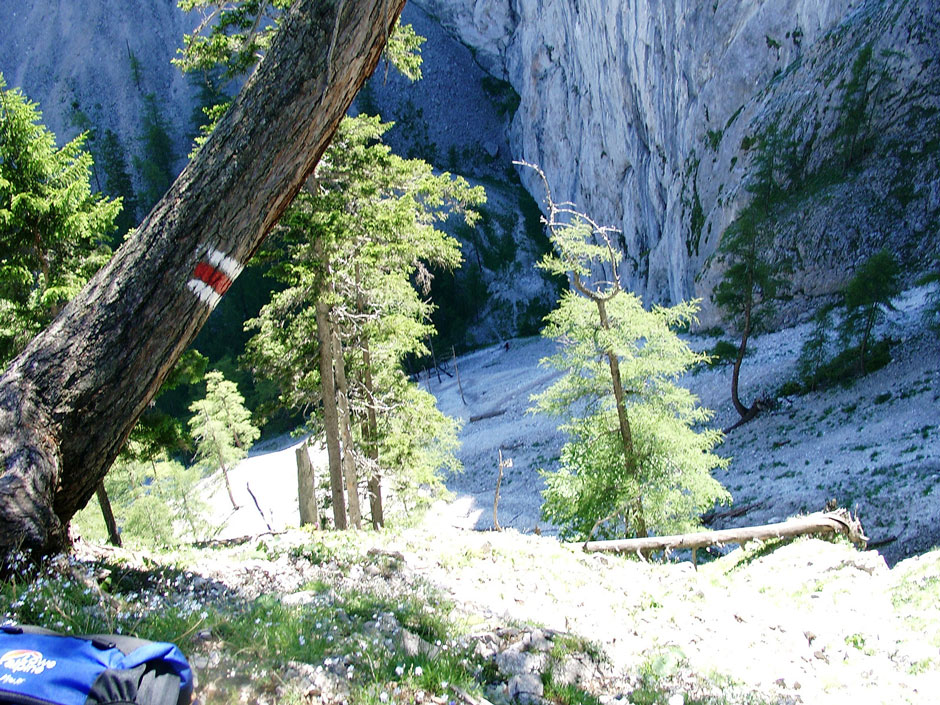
point(645, 114)
point(93, 64)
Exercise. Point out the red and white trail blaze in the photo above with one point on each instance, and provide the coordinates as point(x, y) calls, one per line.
point(213, 275)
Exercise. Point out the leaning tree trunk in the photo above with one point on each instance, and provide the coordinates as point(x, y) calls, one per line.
point(69, 401)
point(114, 536)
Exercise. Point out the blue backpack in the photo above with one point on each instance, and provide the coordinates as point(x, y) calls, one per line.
point(41, 667)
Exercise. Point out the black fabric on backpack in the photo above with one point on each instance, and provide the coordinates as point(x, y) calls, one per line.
point(41, 667)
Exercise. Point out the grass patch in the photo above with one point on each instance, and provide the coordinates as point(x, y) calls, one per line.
point(667, 673)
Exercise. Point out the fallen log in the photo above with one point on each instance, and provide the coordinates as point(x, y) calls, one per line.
point(834, 522)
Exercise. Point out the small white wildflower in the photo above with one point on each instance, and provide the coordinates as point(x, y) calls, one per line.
point(383, 696)
point(301, 640)
point(399, 670)
point(419, 671)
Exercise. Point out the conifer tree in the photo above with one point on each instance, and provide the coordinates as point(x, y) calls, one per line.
point(350, 248)
point(73, 395)
point(815, 351)
point(53, 230)
point(635, 460)
point(117, 182)
point(866, 296)
point(753, 280)
point(335, 338)
point(222, 428)
point(932, 312)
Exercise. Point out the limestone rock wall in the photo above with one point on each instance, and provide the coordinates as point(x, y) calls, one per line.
point(100, 58)
point(640, 113)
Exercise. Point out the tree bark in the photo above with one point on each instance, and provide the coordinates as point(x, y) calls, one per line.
point(330, 413)
point(306, 488)
point(626, 434)
point(370, 427)
point(114, 536)
point(69, 401)
point(345, 430)
point(820, 523)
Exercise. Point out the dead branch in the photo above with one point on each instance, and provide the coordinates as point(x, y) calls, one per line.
point(836, 522)
point(738, 511)
point(487, 415)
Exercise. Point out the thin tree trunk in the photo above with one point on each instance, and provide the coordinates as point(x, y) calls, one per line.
point(746, 413)
point(866, 336)
point(222, 467)
point(69, 401)
point(114, 536)
point(330, 413)
point(626, 433)
point(370, 427)
point(457, 374)
point(345, 430)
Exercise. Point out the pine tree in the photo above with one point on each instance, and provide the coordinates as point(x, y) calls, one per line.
point(932, 311)
point(155, 163)
point(53, 230)
point(350, 249)
point(815, 351)
point(752, 280)
point(635, 461)
point(866, 296)
point(222, 428)
point(117, 182)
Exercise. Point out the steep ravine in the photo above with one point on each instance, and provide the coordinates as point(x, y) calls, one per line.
point(643, 115)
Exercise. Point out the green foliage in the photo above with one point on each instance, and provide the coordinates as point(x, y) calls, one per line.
point(221, 425)
point(668, 673)
point(117, 182)
point(853, 131)
point(231, 35)
point(826, 359)
point(257, 639)
point(673, 459)
point(156, 503)
point(155, 164)
point(752, 281)
point(843, 368)
point(53, 230)
point(234, 36)
point(866, 296)
point(713, 138)
point(724, 352)
point(696, 224)
point(363, 242)
point(635, 459)
point(932, 312)
point(502, 94)
point(157, 432)
point(816, 349)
